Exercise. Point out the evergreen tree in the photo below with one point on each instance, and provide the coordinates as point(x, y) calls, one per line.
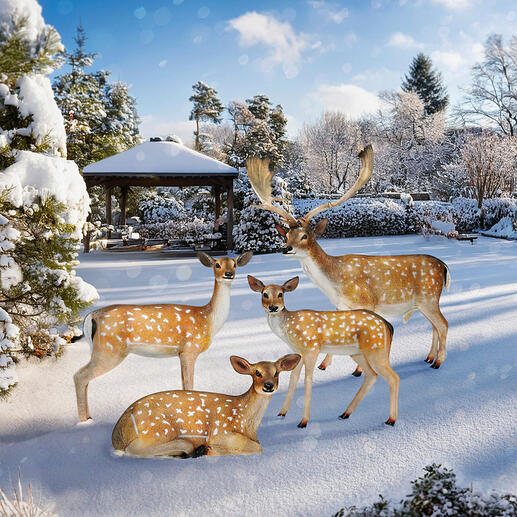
point(259, 131)
point(100, 118)
point(43, 199)
point(427, 83)
point(207, 107)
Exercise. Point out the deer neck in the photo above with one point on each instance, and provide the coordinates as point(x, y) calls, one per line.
point(321, 268)
point(255, 406)
point(276, 322)
point(219, 305)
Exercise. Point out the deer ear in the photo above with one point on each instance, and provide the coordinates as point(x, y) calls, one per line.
point(288, 362)
point(320, 227)
point(281, 231)
point(240, 365)
point(205, 259)
point(291, 285)
point(255, 284)
point(244, 258)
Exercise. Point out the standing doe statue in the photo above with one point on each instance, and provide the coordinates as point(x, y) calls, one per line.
point(193, 423)
point(162, 330)
point(361, 334)
point(390, 285)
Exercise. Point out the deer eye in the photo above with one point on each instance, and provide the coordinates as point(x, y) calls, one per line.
point(217, 265)
point(276, 374)
point(258, 374)
point(304, 237)
point(280, 295)
point(265, 295)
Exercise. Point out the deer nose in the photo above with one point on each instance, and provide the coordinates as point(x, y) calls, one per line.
point(287, 249)
point(228, 274)
point(273, 308)
point(269, 386)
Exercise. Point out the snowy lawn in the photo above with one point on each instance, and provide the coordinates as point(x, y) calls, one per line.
point(463, 415)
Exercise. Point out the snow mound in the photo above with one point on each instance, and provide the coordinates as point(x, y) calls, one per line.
point(504, 228)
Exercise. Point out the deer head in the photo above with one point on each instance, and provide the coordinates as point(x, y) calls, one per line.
point(300, 234)
point(273, 295)
point(224, 267)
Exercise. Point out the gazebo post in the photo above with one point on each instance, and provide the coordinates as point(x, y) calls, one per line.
point(229, 237)
point(108, 191)
point(123, 205)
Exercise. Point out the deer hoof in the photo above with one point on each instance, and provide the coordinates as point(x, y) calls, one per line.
point(302, 424)
point(357, 374)
point(390, 422)
point(345, 415)
point(202, 450)
point(322, 367)
point(282, 414)
point(436, 365)
point(429, 360)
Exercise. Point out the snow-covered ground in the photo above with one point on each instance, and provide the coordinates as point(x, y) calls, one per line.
point(463, 415)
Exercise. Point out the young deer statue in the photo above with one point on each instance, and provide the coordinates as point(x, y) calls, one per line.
point(162, 330)
point(193, 423)
point(361, 334)
point(392, 285)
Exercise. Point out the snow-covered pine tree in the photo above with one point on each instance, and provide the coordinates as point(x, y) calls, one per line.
point(427, 83)
point(43, 198)
point(207, 108)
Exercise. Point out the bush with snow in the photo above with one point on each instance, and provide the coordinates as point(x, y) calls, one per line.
point(43, 198)
point(160, 207)
point(506, 227)
point(255, 228)
point(436, 493)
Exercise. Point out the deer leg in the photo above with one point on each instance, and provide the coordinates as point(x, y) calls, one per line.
point(434, 348)
point(293, 381)
point(187, 363)
point(100, 363)
point(309, 362)
point(434, 315)
point(327, 361)
point(369, 380)
point(180, 447)
point(232, 443)
point(380, 364)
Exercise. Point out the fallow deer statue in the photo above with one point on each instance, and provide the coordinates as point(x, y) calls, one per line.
point(390, 285)
point(157, 330)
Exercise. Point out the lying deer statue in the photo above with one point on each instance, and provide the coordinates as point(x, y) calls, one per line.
point(361, 334)
point(162, 330)
point(392, 285)
point(194, 423)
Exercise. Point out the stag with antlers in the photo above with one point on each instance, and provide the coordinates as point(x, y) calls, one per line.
point(392, 285)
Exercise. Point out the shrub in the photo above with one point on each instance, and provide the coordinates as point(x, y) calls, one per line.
point(436, 493)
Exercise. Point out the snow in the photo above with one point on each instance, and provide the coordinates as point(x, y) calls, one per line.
point(503, 228)
point(462, 415)
point(28, 9)
point(159, 158)
point(443, 227)
point(36, 98)
point(37, 175)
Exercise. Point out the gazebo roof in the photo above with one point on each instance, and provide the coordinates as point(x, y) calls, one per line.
point(159, 159)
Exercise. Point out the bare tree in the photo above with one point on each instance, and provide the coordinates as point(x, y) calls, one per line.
point(492, 97)
point(489, 160)
point(330, 146)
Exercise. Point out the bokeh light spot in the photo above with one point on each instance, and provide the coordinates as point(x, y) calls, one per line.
point(243, 59)
point(162, 16)
point(146, 37)
point(139, 12)
point(203, 12)
point(184, 273)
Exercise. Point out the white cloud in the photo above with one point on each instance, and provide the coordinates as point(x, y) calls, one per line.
point(152, 125)
point(448, 59)
point(348, 98)
point(401, 40)
point(454, 4)
point(162, 63)
point(286, 47)
point(331, 11)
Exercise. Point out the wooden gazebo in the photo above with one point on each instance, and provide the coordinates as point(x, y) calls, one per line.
point(162, 164)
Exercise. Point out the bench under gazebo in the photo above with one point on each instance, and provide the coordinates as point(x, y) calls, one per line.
point(162, 164)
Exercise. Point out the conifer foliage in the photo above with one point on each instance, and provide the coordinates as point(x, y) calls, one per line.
point(43, 199)
point(427, 83)
point(207, 108)
point(100, 117)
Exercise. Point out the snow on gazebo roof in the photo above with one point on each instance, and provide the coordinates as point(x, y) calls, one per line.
point(159, 158)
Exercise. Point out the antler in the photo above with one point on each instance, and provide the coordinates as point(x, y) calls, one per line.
point(260, 178)
point(366, 155)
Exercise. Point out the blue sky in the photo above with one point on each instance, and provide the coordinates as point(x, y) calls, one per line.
point(306, 55)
